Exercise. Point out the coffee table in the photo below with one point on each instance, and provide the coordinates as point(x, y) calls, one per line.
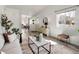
point(38, 44)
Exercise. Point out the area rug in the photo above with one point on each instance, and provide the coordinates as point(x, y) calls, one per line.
point(55, 49)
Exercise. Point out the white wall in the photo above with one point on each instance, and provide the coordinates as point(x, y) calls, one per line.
point(77, 17)
point(54, 30)
point(49, 13)
point(14, 16)
point(1, 12)
point(70, 30)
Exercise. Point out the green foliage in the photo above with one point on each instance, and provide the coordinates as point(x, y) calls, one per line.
point(5, 22)
point(78, 30)
point(16, 30)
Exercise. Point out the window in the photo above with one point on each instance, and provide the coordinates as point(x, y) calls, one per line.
point(34, 20)
point(63, 17)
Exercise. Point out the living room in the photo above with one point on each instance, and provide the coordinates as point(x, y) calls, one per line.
point(56, 23)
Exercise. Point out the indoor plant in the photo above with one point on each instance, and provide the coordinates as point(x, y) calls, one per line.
point(19, 35)
point(15, 30)
point(7, 24)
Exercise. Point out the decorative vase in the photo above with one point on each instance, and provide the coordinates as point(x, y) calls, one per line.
point(37, 38)
point(41, 36)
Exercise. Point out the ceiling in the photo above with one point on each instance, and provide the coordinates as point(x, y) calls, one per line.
point(28, 9)
point(35, 9)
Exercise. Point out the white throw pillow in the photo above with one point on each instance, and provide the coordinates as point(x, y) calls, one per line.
point(1, 41)
point(12, 37)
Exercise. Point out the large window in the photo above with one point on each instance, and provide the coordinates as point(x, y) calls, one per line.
point(62, 18)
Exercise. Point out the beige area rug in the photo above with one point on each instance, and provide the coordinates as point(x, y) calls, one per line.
point(55, 49)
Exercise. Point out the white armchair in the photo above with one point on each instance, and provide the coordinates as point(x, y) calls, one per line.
point(12, 48)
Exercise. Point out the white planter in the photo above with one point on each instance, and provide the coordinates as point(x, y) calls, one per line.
point(18, 36)
point(41, 36)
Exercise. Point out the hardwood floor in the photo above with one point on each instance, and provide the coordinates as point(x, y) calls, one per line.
point(59, 47)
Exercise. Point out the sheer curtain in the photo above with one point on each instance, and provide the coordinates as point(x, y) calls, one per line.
point(63, 17)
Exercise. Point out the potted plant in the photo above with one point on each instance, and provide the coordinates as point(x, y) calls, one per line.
point(7, 24)
point(16, 31)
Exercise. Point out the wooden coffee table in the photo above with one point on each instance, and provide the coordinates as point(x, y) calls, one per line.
point(42, 43)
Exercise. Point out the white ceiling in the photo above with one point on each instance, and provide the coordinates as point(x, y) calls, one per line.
point(35, 9)
point(28, 9)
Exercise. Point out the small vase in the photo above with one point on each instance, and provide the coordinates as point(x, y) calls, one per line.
point(41, 36)
point(37, 38)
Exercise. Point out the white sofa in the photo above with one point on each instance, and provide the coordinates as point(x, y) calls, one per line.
point(9, 48)
point(12, 48)
point(39, 28)
point(1, 41)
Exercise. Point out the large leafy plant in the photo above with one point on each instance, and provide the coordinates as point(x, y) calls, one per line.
point(7, 24)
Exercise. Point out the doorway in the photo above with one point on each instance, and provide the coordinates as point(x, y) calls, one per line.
point(25, 24)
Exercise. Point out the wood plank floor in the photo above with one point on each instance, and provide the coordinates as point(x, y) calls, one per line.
point(58, 48)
